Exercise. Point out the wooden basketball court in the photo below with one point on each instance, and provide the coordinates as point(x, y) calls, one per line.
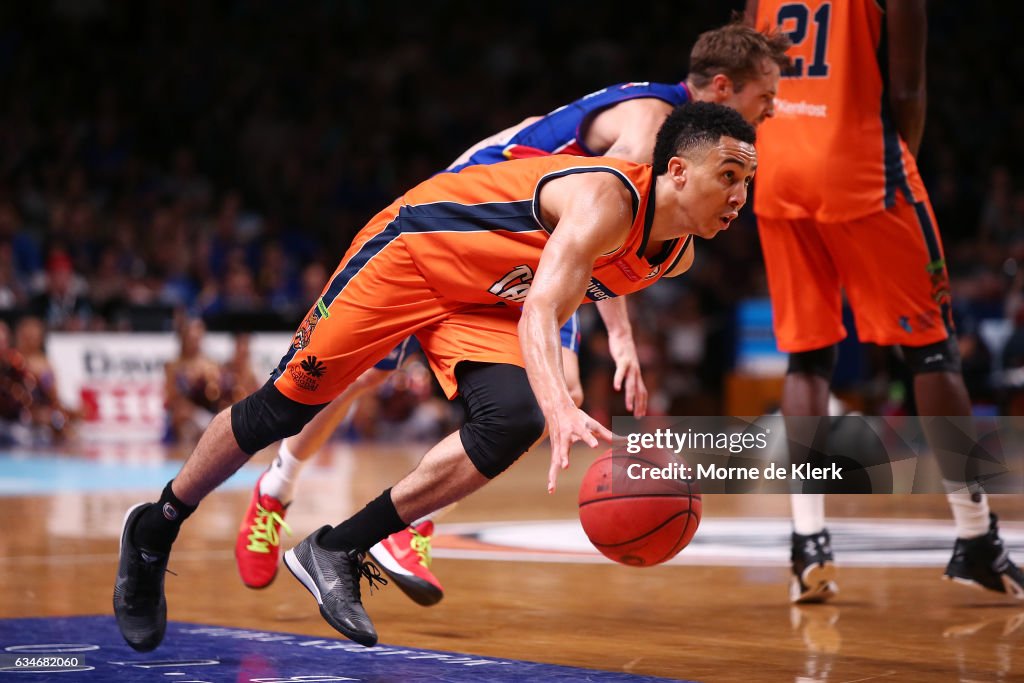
point(700, 618)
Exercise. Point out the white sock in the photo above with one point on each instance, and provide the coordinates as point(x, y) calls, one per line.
point(808, 512)
point(970, 515)
point(280, 480)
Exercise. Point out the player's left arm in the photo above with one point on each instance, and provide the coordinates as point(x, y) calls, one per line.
point(591, 214)
point(632, 127)
point(908, 36)
point(622, 348)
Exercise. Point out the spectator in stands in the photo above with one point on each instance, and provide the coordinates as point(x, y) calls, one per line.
point(62, 303)
point(15, 396)
point(238, 377)
point(49, 419)
point(195, 388)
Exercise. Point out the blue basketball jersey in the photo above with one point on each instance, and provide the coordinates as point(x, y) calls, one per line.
point(560, 131)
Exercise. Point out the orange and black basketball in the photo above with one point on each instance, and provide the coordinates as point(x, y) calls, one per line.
point(633, 517)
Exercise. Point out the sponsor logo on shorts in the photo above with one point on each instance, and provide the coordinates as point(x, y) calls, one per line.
point(305, 331)
point(940, 281)
point(308, 373)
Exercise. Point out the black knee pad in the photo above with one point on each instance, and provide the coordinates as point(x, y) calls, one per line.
point(820, 362)
point(267, 415)
point(503, 418)
point(943, 356)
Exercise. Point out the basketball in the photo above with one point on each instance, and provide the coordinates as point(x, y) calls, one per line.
point(633, 517)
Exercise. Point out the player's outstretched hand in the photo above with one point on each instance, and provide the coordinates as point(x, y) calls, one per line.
point(566, 427)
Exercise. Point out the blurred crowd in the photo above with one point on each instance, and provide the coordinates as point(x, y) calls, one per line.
point(216, 159)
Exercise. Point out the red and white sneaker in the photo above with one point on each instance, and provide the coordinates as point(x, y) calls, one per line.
point(258, 546)
point(405, 558)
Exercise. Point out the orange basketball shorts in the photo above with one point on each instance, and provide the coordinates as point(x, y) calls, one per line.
point(375, 299)
point(889, 264)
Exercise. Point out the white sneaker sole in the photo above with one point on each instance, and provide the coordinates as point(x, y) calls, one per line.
point(300, 573)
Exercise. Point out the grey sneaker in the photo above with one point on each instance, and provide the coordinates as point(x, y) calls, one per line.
point(332, 576)
point(139, 603)
point(814, 569)
point(983, 562)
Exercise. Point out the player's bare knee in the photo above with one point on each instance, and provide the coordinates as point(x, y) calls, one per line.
point(266, 416)
point(943, 356)
point(819, 362)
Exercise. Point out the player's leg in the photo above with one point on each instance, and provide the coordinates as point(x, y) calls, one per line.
point(258, 542)
point(405, 556)
point(979, 558)
point(807, 317)
point(902, 298)
point(335, 344)
point(475, 354)
point(503, 421)
point(805, 399)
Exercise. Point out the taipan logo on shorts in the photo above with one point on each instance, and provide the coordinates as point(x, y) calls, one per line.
point(308, 373)
point(514, 285)
point(305, 331)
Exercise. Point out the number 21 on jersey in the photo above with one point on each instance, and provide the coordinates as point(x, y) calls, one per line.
point(795, 20)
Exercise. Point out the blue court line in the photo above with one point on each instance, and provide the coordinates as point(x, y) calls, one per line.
point(194, 653)
point(23, 473)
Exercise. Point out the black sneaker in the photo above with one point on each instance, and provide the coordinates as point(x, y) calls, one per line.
point(332, 576)
point(814, 569)
point(983, 562)
point(139, 603)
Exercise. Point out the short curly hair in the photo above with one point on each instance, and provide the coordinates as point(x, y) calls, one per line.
point(696, 126)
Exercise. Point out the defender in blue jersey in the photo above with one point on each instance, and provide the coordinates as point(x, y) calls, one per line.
point(734, 65)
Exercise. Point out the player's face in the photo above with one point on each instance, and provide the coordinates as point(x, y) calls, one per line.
point(755, 100)
point(718, 186)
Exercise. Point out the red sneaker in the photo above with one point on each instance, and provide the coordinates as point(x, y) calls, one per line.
point(405, 557)
point(258, 546)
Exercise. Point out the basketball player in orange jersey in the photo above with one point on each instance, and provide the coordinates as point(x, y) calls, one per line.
point(841, 207)
point(483, 266)
point(732, 65)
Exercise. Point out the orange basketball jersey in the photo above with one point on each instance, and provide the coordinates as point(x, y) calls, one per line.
point(476, 236)
point(452, 261)
point(832, 151)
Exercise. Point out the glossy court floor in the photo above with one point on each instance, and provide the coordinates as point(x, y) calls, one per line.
point(522, 583)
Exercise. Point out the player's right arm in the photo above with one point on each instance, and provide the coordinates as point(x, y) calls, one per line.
point(500, 138)
point(908, 30)
point(590, 214)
